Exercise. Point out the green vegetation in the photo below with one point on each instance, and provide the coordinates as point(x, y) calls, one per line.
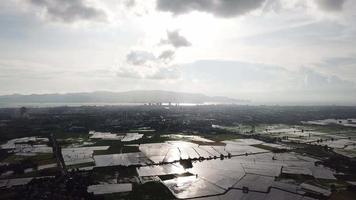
point(151, 190)
point(117, 149)
point(39, 159)
point(333, 129)
point(336, 184)
point(80, 165)
point(268, 148)
point(113, 196)
point(315, 151)
point(223, 136)
point(103, 174)
point(343, 195)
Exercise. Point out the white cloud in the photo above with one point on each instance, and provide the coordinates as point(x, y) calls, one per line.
point(153, 73)
point(139, 57)
point(285, 33)
point(260, 82)
point(145, 65)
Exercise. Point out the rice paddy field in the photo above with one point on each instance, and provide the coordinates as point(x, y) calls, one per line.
point(263, 161)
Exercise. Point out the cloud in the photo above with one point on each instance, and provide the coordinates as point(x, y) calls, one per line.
point(145, 65)
point(153, 73)
point(330, 5)
point(176, 40)
point(343, 66)
point(171, 72)
point(166, 55)
point(128, 72)
point(312, 80)
point(221, 8)
point(130, 3)
point(69, 10)
point(339, 61)
point(269, 81)
point(139, 57)
point(320, 32)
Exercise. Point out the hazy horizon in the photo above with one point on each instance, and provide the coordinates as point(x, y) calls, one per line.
point(281, 52)
point(146, 99)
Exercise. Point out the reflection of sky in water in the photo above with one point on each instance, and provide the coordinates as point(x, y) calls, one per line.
point(191, 186)
point(257, 172)
point(183, 182)
point(157, 170)
point(172, 155)
point(176, 150)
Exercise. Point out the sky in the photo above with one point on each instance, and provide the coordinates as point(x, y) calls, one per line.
point(301, 51)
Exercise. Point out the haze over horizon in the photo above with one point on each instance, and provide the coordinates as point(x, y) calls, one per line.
point(299, 51)
point(143, 96)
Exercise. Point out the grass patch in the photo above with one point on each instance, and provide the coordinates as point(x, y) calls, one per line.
point(314, 151)
point(130, 149)
point(339, 184)
point(344, 195)
point(222, 137)
point(11, 159)
point(151, 190)
point(89, 164)
point(113, 196)
point(268, 148)
point(39, 159)
point(43, 159)
point(44, 172)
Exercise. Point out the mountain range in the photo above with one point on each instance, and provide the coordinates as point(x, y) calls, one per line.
point(137, 96)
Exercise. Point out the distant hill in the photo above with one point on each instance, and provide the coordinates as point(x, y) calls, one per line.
point(143, 96)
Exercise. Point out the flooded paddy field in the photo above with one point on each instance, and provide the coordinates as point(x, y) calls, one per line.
point(201, 158)
point(340, 122)
point(194, 168)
